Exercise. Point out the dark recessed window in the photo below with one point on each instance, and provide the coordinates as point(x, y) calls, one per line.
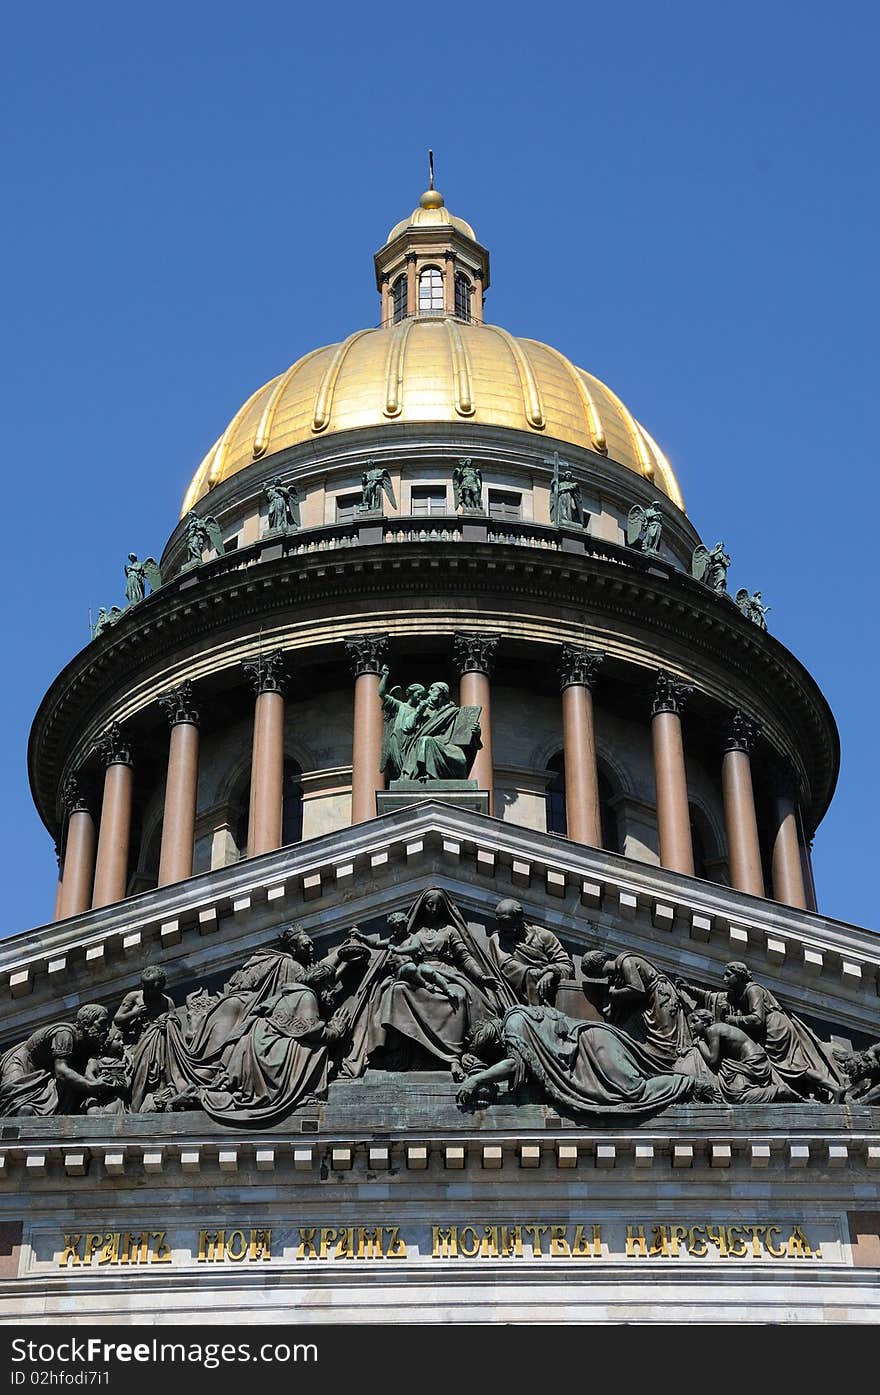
point(230, 544)
point(430, 292)
point(292, 804)
point(555, 797)
point(503, 503)
point(462, 297)
point(398, 299)
point(347, 506)
point(429, 499)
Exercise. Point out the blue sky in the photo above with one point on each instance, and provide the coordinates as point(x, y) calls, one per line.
point(683, 198)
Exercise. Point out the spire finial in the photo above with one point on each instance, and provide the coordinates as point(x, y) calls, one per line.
point(430, 169)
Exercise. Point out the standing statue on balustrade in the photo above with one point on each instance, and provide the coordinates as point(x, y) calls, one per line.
point(375, 482)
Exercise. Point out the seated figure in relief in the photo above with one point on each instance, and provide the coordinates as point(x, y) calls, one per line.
point(527, 957)
point(744, 1069)
point(48, 1072)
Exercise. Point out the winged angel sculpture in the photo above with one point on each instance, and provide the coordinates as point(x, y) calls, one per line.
point(202, 534)
point(643, 527)
point(710, 566)
point(139, 575)
point(374, 483)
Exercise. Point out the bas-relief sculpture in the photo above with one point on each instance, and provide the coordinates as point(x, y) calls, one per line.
point(432, 994)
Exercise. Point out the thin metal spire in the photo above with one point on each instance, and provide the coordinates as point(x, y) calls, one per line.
point(430, 169)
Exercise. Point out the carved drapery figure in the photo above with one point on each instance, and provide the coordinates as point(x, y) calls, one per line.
point(527, 957)
point(566, 507)
point(111, 1067)
point(710, 567)
point(645, 1005)
point(283, 514)
point(401, 713)
point(745, 1072)
point(138, 575)
point(467, 485)
point(584, 1067)
point(408, 1017)
point(375, 482)
point(445, 739)
point(861, 1069)
point(800, 1058)
point(46, 1074)
point(279, 1061)
point(644, 526)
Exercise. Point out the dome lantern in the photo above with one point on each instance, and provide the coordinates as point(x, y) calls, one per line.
point(432, 265)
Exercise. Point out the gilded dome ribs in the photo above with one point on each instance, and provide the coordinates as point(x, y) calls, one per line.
point(532, 405)
point(591, 411)
point(395, 370)
point(324, 399)
point(264, 429)
point(460, 371)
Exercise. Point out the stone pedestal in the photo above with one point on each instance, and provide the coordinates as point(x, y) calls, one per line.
point(464, 794)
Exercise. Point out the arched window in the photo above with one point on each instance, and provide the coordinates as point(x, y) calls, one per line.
point(462, 296)
point(430, 292)
point(555, 796)
point(398, 299)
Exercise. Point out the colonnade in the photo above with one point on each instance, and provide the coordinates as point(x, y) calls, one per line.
point(94, 868)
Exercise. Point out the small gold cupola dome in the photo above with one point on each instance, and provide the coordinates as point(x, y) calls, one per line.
point(432, 264)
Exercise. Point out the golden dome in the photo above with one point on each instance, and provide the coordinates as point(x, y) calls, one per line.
point(431, 213)
point(433, 370)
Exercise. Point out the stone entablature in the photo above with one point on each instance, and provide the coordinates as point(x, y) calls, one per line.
point(823, 967)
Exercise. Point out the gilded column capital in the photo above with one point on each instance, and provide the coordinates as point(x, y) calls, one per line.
point(670, 693)
point(113, 747)
point(579, 666)
point(266, 672)
point(178, 705)
point(72, 796)
point(366, 653)
point(474, 653)
point(740, 733)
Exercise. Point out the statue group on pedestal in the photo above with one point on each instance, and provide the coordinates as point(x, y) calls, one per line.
point(432, 994)
point(426, 735)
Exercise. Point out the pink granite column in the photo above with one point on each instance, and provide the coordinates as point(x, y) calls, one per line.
point(670, 774)
point(578, 676)
point(743, 845)
point(114, 832)
point(266, 673)
point(474, 655)
point(366, 654)
point(78, 871)
point(181, 786)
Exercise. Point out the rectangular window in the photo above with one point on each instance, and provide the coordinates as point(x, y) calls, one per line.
point(428, 499)
point(347, 507)
point(230, 544)
point(503, 503)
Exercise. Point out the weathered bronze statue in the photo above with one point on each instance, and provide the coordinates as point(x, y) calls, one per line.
point(527, 957)
point(584, 1067)
point(105, 619)
point(138, 575)
point(283, 514)
point(745, 1072)
point(374, 483)
point(444, 740)
point(402, 713)
point(796, 1053)
point(46, 1074)
point(752, 607)
point(710, 567)
point(202, 534)
point(467, 485)
point(566, 507)
point(644, 526)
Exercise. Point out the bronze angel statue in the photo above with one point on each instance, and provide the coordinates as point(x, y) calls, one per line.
point(710, 567)
point(467, 485)
point(374, 483)
point(202, 534)
point(105, 619)
point(138, 575)
point(752, 606)
point(644, 526)
point(566, 505)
